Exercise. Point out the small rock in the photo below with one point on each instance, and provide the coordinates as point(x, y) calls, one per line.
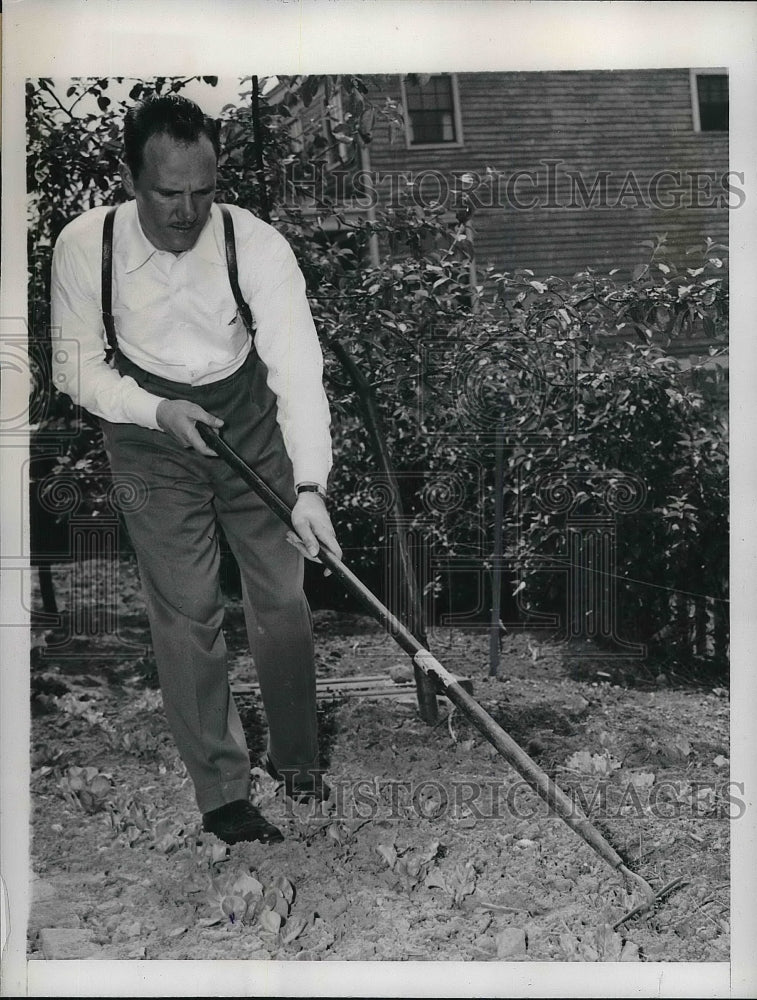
point(109, 906)
point(630, 952)
point(42, 890)
point(67, 943)
point(511, 943)
point(484, 942)
point(92, 878)
point(525, 844)
point(402, 673)
point(575, 705)
point(337, 907)
point(655, 951)
point(123, 931)
point(560, 884)
point(528, 830)
point(52, 913)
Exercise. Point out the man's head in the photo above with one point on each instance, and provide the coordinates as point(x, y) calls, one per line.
point(170, 157)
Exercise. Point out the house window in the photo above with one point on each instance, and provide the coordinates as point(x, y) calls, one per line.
point(433, 115)
point(710, 101)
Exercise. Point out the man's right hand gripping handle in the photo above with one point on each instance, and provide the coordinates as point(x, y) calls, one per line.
point(178, 417)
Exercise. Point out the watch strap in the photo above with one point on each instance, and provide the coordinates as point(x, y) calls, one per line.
point(311, 488)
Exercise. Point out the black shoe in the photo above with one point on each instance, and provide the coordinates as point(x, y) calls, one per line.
point(310, 789)
point(240, 821)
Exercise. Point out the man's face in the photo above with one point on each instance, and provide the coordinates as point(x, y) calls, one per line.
point(174, 190)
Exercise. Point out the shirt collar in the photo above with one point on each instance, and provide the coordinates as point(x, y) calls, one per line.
point(138, 249)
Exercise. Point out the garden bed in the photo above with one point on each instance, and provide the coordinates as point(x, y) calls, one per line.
point(433, 848)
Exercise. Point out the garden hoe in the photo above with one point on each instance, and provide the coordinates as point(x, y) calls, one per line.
point(542, 784)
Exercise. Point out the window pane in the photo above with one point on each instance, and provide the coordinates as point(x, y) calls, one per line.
point(712, 95)
point(430, 108)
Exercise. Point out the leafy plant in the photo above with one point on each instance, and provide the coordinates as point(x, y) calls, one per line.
point(409, 868)
point(458, 882)
point(136, 818)
point(242, 899)
point(86, 788)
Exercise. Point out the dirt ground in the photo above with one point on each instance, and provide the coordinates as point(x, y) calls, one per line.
point(432, 848)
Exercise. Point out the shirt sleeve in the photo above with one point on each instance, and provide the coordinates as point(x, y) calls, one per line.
point(287, 343)
point(79, 366)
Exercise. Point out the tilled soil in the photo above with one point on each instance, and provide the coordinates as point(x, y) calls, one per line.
point(432, 847)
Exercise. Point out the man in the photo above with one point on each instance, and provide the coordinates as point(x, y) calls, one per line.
point(185, 356)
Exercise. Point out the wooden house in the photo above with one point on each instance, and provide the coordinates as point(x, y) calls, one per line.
point(566, 169)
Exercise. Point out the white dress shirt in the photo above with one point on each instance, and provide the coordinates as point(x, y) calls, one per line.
point(175, 316)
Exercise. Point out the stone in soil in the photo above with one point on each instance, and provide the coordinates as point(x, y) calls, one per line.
point(67, 943)
point(511, 943)
point(52, 913)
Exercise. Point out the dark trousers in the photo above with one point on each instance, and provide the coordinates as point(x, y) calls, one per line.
point(175, 537)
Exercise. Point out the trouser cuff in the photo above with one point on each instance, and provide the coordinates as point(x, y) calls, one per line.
point(214, 796)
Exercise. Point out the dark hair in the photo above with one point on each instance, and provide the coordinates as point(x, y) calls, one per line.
point(171, 115)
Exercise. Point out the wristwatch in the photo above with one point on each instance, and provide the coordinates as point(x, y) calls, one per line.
point(311, 488)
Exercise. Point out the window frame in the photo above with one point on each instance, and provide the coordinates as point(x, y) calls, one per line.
point(456, 117)
point(694, 74)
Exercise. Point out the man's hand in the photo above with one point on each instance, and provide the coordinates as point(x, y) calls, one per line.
point(178, 417)
point(313, 528)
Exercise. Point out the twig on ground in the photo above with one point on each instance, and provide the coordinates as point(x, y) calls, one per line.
point(444, 719)
point(452, 732)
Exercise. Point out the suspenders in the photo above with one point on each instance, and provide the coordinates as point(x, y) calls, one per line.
point(107, 278)
point(231, 267)
point(106, 298)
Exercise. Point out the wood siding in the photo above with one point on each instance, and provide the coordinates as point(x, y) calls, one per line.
point(627, 126)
